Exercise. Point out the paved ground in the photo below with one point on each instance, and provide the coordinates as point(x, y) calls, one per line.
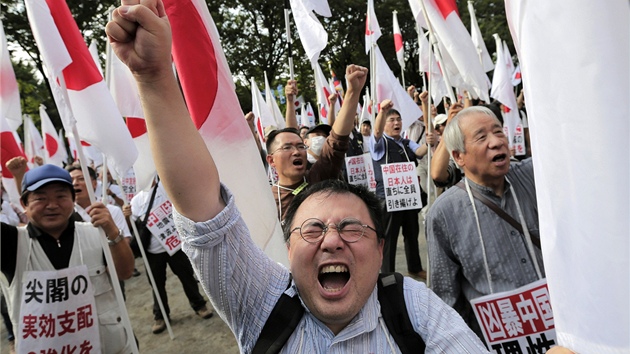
point(192, 334)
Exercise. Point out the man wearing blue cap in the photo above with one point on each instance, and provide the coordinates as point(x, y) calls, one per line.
point(55, 259)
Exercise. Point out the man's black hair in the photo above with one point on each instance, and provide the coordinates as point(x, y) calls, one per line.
point(91, 171)
point(337, 187)
point(391, 112)
point(496, 109)
point(272, 136)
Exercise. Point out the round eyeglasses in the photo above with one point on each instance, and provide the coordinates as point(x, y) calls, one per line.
point(350, 230)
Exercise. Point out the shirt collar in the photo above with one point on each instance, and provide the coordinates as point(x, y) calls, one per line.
point(36, 232)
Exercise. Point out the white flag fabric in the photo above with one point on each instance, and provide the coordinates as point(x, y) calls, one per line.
point(273, 105)
point(97, 118)
point(93, 48)
point(569, 51)
point(33, 142)
point(388, 87)
point(398, 43)
point(55, 149)
point(308, 117)
point(263, 116)
point(502, 89)
point(124, 90)
point(10, 107)
point(372, 28)
point(312, 34)
point(477, 38)
point(438, 85)
point(323, 91)
point(211, 99)
point(456, 43)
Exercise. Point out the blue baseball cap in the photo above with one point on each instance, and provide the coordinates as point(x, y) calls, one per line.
point(40, 176)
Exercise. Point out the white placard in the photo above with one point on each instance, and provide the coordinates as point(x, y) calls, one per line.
point(517, 321)
point(402, 190)
point(160, 223)
point(58, 313)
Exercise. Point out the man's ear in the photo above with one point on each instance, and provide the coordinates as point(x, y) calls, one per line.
point(270, 161)
point(458, 158)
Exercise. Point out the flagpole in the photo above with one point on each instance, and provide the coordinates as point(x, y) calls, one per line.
point(103, 237)
point(287, 6)
point(438, 54)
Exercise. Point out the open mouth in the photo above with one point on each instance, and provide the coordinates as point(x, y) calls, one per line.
point(298, 162)
point(499, 158)
point(333, 277)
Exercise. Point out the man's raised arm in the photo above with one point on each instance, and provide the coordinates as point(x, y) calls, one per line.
point(355, 77)
point(140, 35)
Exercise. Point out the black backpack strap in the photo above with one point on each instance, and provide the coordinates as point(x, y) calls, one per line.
point(394, 310)
point(281, 323)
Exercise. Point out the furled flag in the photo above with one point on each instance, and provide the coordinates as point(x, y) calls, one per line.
point(312, 34)
point(10, 149)
point(124, 90)
point(398, 43)
point(477, 38)
point(98, 120)
point(323, 91)
point(298, 102)
point(93, 48)
point(569, 51)
point(263, 116)
point(55, 149)
point(516, 76)
point(33, 142)
point(434, 74)
point(366, 115)
point(273, 105)
point(502, 89)
point(372, 28)
point(336, 83)
point(211, 99)
point(457, 44)
point(10, 108)
point(308, 116)
point(388, 87)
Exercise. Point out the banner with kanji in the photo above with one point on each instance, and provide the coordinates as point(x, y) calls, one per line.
point(128, 184)
point(360, 171)
point(517, 321)
point(402, 190)
point(160, 223)
point(58, 313)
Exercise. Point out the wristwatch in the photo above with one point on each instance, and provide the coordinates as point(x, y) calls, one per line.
point(117, 239)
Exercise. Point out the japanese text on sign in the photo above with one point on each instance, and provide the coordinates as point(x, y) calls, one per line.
point(402, 190)
point(160, 223)
point(58, 312)
point(518, 321)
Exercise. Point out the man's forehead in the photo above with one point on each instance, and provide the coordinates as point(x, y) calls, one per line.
point(287, 137)
point(475, 123)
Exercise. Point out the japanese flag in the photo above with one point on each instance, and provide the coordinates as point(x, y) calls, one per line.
point(210, 95)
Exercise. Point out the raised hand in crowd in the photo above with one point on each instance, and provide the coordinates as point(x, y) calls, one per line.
point(140, 36)
point(355, 78)
point(17, 166)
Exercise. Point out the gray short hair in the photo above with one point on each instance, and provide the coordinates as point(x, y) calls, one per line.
point(454, 136)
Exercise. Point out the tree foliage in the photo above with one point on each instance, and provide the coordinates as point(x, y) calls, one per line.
point(254, 39)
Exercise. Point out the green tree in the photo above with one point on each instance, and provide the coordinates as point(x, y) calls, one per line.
point(91, 18)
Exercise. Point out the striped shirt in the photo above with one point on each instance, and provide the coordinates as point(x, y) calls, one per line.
point(244, 286)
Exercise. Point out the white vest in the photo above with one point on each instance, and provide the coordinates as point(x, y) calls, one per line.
point(114, 338)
